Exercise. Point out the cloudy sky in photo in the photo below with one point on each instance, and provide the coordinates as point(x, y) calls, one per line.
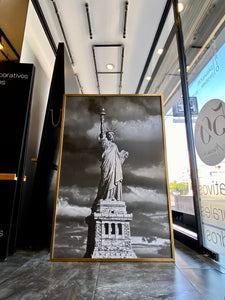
point(138, 125)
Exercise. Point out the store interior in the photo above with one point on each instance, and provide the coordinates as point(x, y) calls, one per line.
point(170, 48)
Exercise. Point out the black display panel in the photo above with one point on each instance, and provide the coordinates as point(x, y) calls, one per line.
point(16, 82)
point(37, 226)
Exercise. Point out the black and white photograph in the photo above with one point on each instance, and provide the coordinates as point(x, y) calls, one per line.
point(112, 191)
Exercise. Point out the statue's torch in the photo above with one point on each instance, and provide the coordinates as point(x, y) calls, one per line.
point(102, 119)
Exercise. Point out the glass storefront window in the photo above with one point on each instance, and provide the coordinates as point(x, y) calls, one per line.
point(165, 79)
point(207, 85)
point(204, 38)
point(204, 42)
point(181, 194)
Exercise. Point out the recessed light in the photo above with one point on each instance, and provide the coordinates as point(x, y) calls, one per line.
point(187, 68)
point(110, 67)
point(180, 6)
point(160, 51)
point(149, 78)
point(1, 46)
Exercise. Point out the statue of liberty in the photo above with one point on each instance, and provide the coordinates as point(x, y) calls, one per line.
point(110, 185)
point(109, 223)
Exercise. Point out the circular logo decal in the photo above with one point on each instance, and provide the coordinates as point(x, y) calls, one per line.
point(210, 132)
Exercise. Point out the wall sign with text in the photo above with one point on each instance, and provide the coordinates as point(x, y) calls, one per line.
point(210, 146)
point(16, 84)
point(210, 132)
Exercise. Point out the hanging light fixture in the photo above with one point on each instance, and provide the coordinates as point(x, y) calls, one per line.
point(7, 44)
point(1, 46)
point(180, 7)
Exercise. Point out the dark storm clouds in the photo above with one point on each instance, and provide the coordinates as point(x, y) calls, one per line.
point(137, 122)
point(138, 126)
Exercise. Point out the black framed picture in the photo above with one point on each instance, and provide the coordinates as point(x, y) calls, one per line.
point(112, 200)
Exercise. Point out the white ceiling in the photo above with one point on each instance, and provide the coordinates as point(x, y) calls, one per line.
point(106, 18)
point(143, 18)
point(199, 19)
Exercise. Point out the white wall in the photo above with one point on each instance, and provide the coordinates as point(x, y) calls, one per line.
point(36, 50)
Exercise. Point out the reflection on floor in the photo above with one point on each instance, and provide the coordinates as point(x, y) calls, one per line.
point(29, 275)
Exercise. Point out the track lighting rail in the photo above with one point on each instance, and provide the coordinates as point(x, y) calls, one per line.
point(89, 20)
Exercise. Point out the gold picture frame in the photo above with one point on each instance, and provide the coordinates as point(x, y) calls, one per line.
point(114, 140)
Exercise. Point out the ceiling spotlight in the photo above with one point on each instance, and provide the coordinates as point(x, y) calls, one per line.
point(160, 51)
point(180, 6)
point(149, 78)
point(110, 67)
point(187, 68)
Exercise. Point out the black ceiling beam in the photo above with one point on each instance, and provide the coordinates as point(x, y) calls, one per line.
point(160, 60)
point(89, 20)
point(3, 53)
point(108, 45)
point(63, 31)
point(107, 73)
point(96, 70)
point(125, 19)
point(44, 24)
point(78, 81)
point(156, 39)
point(10, 45)
point(121, 69)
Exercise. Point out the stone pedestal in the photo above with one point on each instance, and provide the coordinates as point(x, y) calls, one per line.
point(109, 231)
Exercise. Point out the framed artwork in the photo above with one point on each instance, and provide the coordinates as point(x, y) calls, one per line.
point(112, 200)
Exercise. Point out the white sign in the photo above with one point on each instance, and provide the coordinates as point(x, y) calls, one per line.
point(213, 214)
point(210, 146)
point(210, 132)
point(214, 239)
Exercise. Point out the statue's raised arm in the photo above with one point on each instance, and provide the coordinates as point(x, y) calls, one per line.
point(102, 121)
